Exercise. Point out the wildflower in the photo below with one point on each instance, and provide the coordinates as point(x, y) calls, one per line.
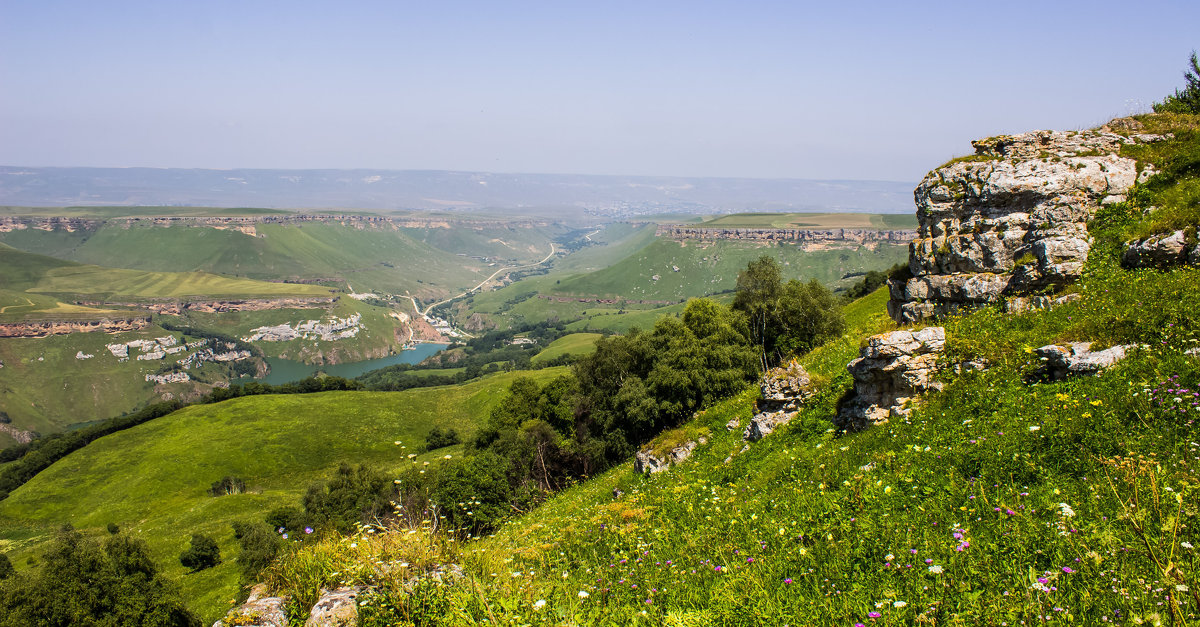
point(1181, 588)
point(889, 557)
point(873, 614)
point(1066, 510)
point(539, 604)
point(308, 530)
point(936, 569)
point(1035, 428)
point(788, 581)
point(1185, 544)
point(899, 604)
point(583, 594)
point(1067, 569)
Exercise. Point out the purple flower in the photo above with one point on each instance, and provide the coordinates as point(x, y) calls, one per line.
point(873, 614)
point(285, 536)
point(308, 530)
point(1067, 569)
point(749, 560)
point(788, 580)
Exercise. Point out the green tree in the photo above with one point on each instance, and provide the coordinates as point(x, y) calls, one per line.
point(356, 493)
point(1186, 100)
point(757, 296)
point(81, 583)
point(785, 318)
point(203, 553)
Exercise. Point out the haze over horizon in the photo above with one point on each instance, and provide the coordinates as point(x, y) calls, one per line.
point(874, 91)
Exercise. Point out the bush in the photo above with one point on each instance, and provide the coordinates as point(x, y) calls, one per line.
point(203, 553)
point(438, 438)
point(227, 485)
point(6, 567)
point(259, 544)
point(84, 583)
point(113, 528)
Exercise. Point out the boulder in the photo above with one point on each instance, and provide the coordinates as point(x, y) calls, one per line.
point(646, 461)
point(259, 610)
point(891, 370)
point(1011, 220)
point(335, 608)
point(1162, 251)
point(783, 392)
point(1077, 358)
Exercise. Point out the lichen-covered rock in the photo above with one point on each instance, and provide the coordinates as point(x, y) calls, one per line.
point(1078, 359)
point(259, 610)
point(783, 391)
point(1010, 220)
point(892, 369)
point(335, 608)
point(646, 461)
point(1163, 251)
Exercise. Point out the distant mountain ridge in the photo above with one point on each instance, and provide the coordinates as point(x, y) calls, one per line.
point(442, 190)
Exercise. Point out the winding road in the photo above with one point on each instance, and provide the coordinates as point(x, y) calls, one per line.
point(485, 281)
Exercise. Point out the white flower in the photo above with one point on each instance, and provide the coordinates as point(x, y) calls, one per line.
point(539, 604)
point(1185, 544)
point(936, 569)
point(899, 604)
point(566, 574)
point(889, 557)
point(1035, 428)
point(583, 594)
point(1180, 587)
point(1066, 510)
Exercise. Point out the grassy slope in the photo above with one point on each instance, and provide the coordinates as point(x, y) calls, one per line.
point(152, 479)
point(38, 274)
point(423, 262)
point(712, 268)
point(573, 344)
point(1000, 500)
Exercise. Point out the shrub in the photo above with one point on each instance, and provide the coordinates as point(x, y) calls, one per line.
point(6, 567)
point(84, 583)
point(438, 438)
point(113, 528)
point(203, 553)
point(227, 485)
point(259, 544)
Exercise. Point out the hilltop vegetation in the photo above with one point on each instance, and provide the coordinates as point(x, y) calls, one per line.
point(1004, 498)
point(153, 480)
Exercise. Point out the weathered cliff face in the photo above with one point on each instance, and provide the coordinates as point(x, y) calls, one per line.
point(846, 236)
point(62, 327)
point(1010, 220)
point(784, 391)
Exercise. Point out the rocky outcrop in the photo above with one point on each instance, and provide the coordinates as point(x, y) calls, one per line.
point(647, 461)
point(853, 236)
point(1163, 251)
point(1077, 358)
point(259, 610)
point(784, 391)
point(21, 436)
point(335, 608)
point(891, 370)
point(176, 308)
point(1011, 219)
point(34, 328)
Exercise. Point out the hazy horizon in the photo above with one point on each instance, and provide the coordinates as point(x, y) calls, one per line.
point(763, 90)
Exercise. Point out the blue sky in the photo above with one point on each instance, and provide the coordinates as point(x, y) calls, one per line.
point(851, 90)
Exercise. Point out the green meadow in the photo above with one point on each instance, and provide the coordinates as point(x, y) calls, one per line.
point(152, 480)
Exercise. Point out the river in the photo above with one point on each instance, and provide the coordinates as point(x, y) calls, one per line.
point(286, 370)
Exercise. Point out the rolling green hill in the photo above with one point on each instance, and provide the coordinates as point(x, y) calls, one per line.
point(426, 262)
point(573, 344)
point(152, 480)
point(36, 275)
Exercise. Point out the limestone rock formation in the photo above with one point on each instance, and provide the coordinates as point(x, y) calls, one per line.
point(1011, 219)
point(784, 391)
point(1163, 251)
point(646, 461)
point(259, 610)
point(1078, 359)
point(891, 369)
point(335, 608)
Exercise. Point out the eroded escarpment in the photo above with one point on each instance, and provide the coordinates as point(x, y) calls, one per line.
point(43, 328)
point(1011, 219)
